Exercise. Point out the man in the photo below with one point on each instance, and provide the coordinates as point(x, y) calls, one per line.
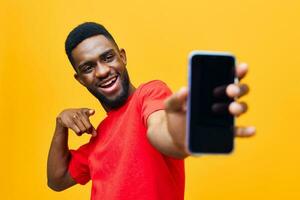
point(137, 151)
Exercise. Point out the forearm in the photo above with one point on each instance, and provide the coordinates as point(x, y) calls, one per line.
point(160, 137)
point(164, 144)
point(58, 158)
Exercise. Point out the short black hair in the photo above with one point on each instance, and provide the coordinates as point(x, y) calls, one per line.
point(82, 32)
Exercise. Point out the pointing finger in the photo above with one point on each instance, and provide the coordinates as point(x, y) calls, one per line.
point(88, 111)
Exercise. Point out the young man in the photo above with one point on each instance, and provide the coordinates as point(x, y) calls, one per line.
point(137, 151)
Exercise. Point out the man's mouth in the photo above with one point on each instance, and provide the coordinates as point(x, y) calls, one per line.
point(108, 82)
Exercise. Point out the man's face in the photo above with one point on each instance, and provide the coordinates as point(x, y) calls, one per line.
point(101, 67)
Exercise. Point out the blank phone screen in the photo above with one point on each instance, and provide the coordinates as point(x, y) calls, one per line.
point(210, 123)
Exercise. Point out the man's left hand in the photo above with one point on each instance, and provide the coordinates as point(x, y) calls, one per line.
point(176, 109)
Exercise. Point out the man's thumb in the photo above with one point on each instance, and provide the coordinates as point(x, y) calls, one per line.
point(176, 101)
point(91, 112)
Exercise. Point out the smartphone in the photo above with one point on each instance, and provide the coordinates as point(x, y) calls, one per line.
point(210, 126)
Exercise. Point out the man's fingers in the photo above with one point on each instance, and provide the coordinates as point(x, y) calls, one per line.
point(177, 101)
point(81, 120)
point(77, 120)
point(88, 111)
point(245, 131)
point(235, 91)
point(91, 129)
point(88, 125)
point(238, 108)
point(74, 127)
point(241, 70)
point(85, 114)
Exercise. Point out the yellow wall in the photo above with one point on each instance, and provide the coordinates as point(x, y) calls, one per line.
point(37, 83)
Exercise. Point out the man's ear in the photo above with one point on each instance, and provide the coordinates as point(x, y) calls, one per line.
point(76, 76)
point(123, 56)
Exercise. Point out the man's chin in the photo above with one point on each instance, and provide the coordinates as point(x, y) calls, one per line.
point(112, 102)
point(115, 102)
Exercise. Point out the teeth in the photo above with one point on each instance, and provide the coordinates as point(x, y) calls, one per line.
point(108, 82)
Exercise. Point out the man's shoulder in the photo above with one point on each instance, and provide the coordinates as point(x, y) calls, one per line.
point(152, 83)
point(153, 88)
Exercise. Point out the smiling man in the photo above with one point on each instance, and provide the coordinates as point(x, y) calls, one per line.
point(137, 151)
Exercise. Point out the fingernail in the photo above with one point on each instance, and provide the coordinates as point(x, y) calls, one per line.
point(236, 90)
point(251, 130)
point(243, 65)
point(236, 106)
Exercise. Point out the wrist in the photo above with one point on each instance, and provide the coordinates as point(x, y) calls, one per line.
point(60, 127)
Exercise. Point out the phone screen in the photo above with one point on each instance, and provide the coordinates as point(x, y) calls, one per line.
point(210, 125)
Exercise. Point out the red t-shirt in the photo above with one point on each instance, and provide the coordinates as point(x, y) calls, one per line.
point(121, 162)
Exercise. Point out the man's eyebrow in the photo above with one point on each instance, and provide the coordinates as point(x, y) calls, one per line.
point(106, 52)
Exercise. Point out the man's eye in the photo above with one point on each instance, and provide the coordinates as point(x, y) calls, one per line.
point(108, 58)
point(87, 69)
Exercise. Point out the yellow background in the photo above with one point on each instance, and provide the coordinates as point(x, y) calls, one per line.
point(37, 83)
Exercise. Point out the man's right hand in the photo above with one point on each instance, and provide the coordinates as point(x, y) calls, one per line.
point(59, 156)
point(77, 120)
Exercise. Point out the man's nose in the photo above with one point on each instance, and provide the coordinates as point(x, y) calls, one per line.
point(102, 70)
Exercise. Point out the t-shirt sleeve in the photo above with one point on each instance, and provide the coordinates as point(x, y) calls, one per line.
point(78, 166)
point(153, 95)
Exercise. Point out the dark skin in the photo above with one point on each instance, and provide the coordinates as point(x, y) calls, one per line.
point(101, 67)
